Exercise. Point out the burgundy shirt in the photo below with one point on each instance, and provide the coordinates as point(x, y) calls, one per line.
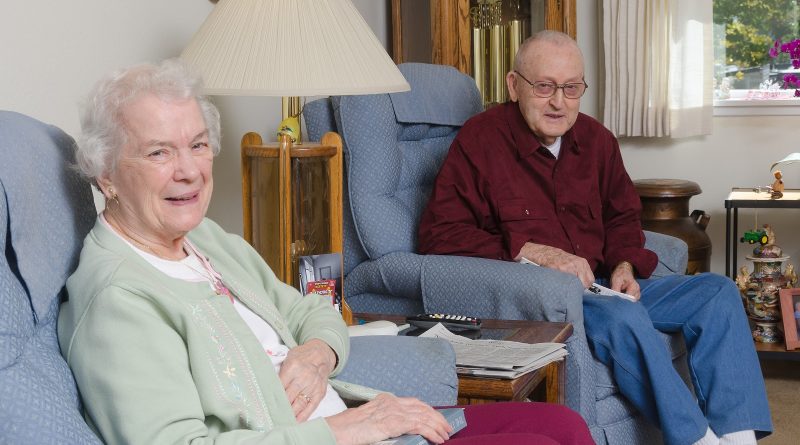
point(499, 188)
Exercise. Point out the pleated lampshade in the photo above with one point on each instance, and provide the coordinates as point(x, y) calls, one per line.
point(290, 48)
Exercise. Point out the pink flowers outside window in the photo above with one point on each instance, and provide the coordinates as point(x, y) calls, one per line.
point(792, 48)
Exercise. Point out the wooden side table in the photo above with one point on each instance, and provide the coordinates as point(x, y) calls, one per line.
point(544, 384)
point(551, 379)
point(292, 200)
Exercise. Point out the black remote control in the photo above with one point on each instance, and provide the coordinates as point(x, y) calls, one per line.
point(449, 321)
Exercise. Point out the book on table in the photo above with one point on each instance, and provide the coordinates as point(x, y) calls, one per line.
point(454, 416)
point(497, 358)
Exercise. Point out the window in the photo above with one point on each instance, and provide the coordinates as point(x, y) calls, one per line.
point(746, 79)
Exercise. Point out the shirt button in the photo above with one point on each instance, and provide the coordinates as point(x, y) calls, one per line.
point(577, 247)
point(527, 212)
point(563, 209)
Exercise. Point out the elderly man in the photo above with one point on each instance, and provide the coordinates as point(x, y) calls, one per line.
point(533, 178)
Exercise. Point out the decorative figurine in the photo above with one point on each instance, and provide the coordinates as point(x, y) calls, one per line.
point(760, 290)
point(771, 240)
point(777, 186)
point(725, 88)
point(742, 279)
point(290, 127)
point(790, 275)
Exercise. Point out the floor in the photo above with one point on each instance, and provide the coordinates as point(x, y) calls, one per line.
point(783, 391)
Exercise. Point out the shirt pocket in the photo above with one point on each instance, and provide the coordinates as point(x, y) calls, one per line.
point(521, 216)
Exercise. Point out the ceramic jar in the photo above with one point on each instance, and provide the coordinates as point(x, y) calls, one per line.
point(760, 290)
point(665, 209)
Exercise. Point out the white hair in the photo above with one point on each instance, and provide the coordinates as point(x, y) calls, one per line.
point(550, 36)
point(103, 132)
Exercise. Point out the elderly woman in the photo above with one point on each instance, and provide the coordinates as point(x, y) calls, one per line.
point(177, 331)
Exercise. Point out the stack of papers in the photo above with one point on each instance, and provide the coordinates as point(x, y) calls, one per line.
point(497, 358)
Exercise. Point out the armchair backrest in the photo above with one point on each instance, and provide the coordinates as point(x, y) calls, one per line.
point(45, 212)
point(394, 145)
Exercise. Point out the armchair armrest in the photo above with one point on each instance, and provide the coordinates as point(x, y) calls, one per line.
point(424, 368)
point(673, 253)
point(500, 289)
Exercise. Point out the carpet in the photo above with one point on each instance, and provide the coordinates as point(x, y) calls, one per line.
point(783, 391)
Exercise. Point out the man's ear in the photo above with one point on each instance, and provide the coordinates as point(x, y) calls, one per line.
point(511, 84)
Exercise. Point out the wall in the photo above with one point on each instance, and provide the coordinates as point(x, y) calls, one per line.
point(738, 153)
point(54, 51)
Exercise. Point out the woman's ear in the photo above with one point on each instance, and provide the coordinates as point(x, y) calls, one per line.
point(104, 184)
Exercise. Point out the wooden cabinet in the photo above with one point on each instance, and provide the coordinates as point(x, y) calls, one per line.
point(292, 200)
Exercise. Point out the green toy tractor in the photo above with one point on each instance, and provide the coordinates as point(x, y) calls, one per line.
point(755, 236)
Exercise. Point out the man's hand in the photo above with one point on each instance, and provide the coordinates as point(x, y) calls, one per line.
point(556, 258)
point(304, 375)
point(622, 280)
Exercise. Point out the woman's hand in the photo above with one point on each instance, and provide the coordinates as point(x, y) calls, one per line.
point(388, 416)
point(304, 375)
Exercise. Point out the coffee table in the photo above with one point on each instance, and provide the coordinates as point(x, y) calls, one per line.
point(544, 384)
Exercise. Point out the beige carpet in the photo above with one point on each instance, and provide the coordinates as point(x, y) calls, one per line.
point(783, 391)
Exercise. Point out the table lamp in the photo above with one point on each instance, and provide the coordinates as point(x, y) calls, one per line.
point(291, 48)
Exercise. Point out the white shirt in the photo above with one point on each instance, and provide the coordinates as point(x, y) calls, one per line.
point(555, 148)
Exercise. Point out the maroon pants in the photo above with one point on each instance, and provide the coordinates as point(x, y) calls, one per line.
point(518, 423)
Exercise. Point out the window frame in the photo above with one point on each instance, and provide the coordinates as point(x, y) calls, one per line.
point(756, 107)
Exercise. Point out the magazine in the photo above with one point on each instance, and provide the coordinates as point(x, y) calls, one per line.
point(322, 275)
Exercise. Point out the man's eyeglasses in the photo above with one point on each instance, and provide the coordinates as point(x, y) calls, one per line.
point(546, 89)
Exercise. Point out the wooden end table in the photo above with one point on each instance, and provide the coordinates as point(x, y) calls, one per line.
point(548, 382)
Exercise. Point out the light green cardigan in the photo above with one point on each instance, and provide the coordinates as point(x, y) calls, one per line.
point(159, 360)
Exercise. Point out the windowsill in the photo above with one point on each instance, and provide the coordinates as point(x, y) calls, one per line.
point(740, 105)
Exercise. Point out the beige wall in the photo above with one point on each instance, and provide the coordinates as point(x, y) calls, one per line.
point(52, 52)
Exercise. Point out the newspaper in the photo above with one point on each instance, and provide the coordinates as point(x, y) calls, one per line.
point(497, 358)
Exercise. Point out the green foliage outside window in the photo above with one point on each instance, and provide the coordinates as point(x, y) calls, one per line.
point(750, 29)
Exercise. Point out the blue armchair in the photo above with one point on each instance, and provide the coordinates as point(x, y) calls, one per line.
point(45, 212)
point(394, 145)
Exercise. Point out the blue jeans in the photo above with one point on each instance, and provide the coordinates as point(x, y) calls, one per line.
point(723, 364)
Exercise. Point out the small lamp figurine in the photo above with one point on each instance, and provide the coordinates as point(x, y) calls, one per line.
point(777, 186)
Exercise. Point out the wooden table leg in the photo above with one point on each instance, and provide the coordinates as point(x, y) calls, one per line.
point(554, 381)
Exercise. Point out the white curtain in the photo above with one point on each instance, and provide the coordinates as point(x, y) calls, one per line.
point(658, 67)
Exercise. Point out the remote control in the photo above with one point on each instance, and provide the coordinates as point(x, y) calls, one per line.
point(449, 321)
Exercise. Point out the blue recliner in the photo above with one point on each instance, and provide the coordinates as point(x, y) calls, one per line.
point(45, 212)
point(394, 145)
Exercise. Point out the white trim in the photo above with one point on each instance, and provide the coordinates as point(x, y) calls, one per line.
point(738, 105)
